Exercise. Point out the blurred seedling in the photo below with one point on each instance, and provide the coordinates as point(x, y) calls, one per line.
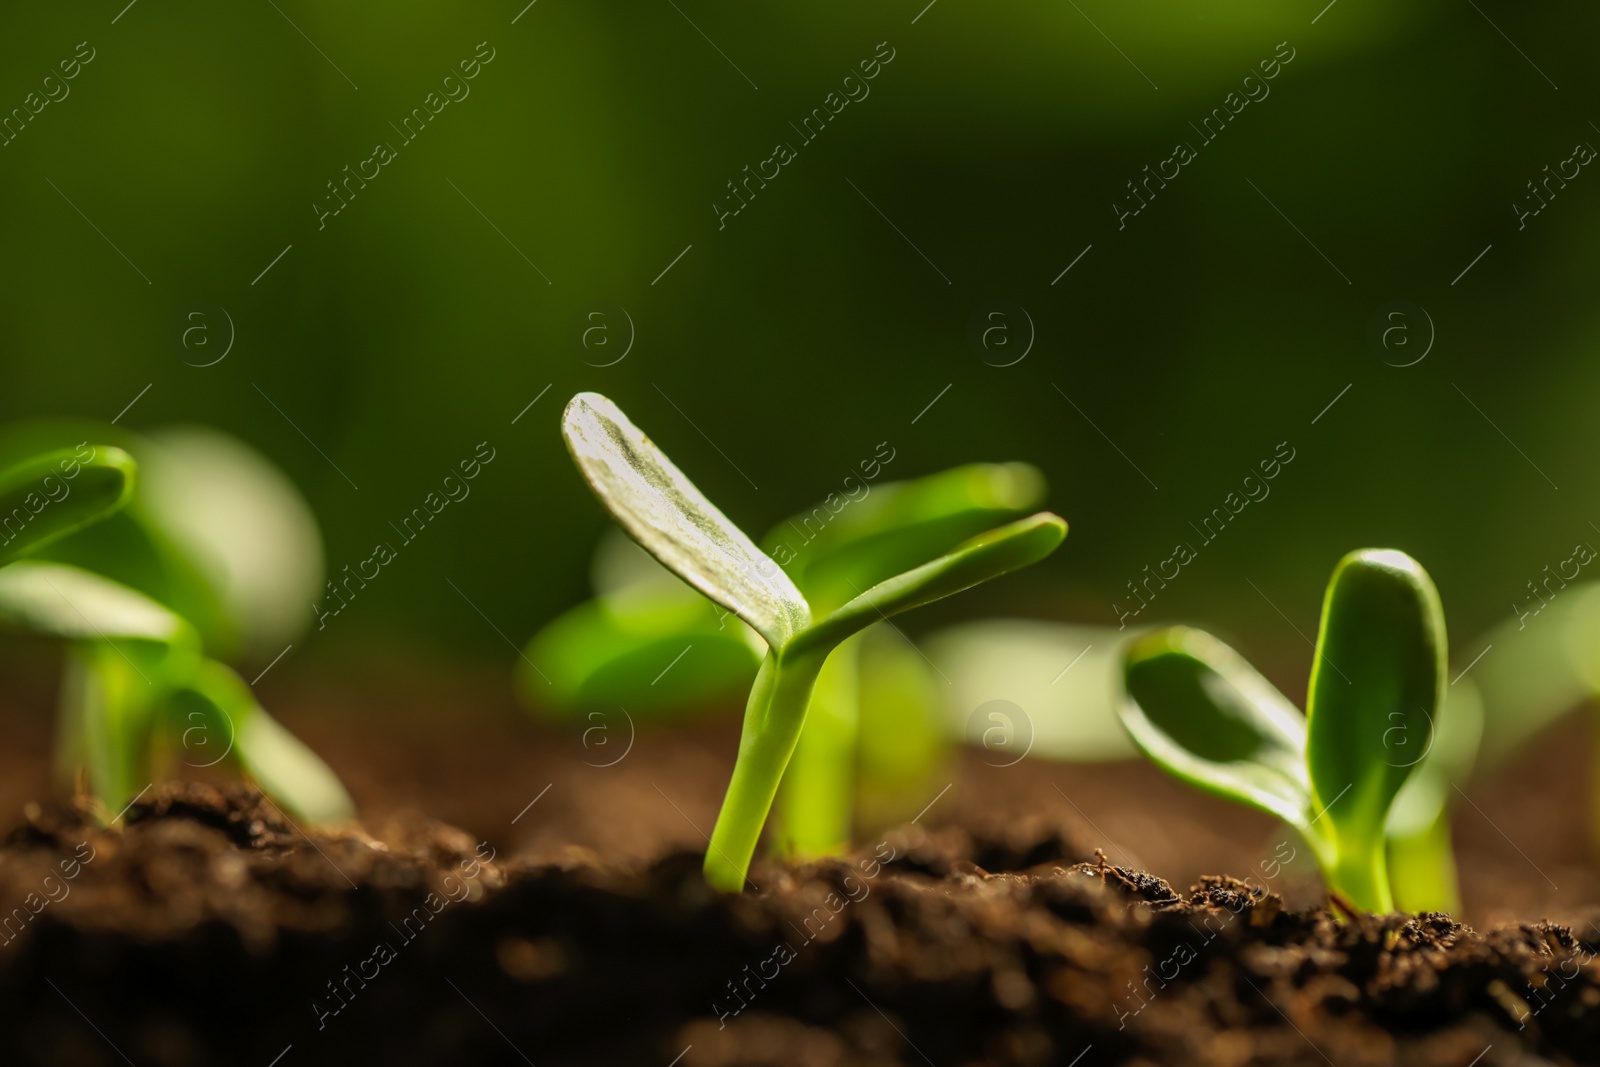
point(1530, 672)
point(1534, 670)
point(1202, 713)
point(1035, 688)
point(121, 575)
point(670, 518)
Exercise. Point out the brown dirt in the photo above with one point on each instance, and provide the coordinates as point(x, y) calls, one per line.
point(212, 930)
point(207, 929)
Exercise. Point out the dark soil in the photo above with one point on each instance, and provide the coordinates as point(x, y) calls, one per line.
point(206, 928)
point(210, 929)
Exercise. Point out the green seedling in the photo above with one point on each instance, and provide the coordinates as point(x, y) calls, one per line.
point(119, 584)
point(833, 552)
point(1048, 690)
point(846, 772)
point(611, 649)
point(665, 513)
point(1530, 671)
point(1203, 714)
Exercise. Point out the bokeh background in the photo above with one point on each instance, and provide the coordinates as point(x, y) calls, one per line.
point(1167, 353)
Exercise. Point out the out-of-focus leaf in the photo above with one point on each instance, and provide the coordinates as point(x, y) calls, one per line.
point(1537, 669)
point(55, 600)
point(615, 650)
point(593, 656)
point(1430, 789)
point(1422, 869)
point(1065, 678)
point(130, 546)
point(902, 747)
point(286, 769)
point(53, 494)
point(671, 518)
point(623, 572)
point(250, 530)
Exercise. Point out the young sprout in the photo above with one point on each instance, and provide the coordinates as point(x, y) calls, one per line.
point(137, 676)
point(833, 552)
point(121, 592)
point(673, 520)
point(1204, 715)
point(611, 651)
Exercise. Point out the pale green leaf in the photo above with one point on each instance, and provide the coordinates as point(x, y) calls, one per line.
point(986, 556)
point(57, 600)
point(247, 528)
point(867, 532)
point(673, 520)
point(1065, 680)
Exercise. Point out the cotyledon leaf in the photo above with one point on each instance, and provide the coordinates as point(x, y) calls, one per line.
point(989, 555)
point(593, 656)
point(249, 532)
point(40, 502)
point(664, 511)
point(1376, 685)
point(58, 600)
point(1201, 712)
point(845, 544)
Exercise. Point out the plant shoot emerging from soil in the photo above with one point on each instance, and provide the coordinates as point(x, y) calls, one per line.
point(137, 673)
point(1203, 714)
point(673, 520)
point(846, 546)
point(868, 750)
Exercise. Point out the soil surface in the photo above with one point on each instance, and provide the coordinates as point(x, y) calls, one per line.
point(1013, 922)
point(207, 928)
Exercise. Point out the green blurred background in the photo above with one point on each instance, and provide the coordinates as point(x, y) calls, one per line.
point(779, 351)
